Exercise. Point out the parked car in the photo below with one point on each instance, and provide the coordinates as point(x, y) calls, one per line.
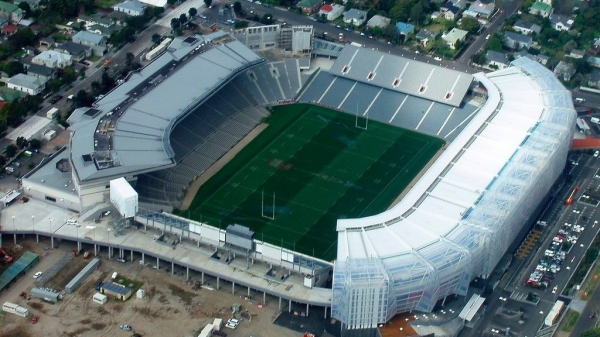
point(37, 275)
point(125, 327)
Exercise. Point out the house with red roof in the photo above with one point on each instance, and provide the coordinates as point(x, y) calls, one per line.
point(331, 11)
point(9, 30)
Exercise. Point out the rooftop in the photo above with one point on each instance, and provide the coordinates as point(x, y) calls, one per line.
point(26, 81)
point(89, 36)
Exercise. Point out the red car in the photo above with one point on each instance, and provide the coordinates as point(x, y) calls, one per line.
point(34, 320)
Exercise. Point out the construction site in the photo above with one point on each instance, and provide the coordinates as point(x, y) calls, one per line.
point(169, 305)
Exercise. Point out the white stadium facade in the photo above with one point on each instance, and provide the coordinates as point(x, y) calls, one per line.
point(169, 122)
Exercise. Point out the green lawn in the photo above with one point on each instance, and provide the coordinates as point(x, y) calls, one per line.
point(308, 168)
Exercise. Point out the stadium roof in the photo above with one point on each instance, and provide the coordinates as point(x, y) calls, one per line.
point(403, 75)
point(453, 186)
point(131, 134)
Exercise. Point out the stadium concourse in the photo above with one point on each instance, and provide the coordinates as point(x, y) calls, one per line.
point(169, 122)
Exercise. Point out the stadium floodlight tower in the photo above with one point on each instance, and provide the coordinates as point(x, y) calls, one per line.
point(459, 219)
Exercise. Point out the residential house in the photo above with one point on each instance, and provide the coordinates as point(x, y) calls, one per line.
point(33, 4)
point(594, 80)
point(25, 83)
point(425, 37)
point(561, 22)
point(482, 9)
point(11, 12)
point(449, 11)
point(331, 11)
point(131, 7)
point(526, 27)
point(94, 20)
point(10, 29)
point(96, 41)
point(435, 15)
point(543, 59)
point(594, 61)
point(454, 37)
point(156, 3)
point(461, 4)
point(8, 95)
point(564, 70)
point(53, 59)
point(309, 6)
point(117, 17)
point(548, 2)
point(404, 29)
point(378, 21)
point(77, 51)
point(43, 73)
point(103, 30)
point(496, 60)
point(3, 22)
point(47, 42)
point(540, 8)
point(576, 54)
point(355, 17)
point(514, 40)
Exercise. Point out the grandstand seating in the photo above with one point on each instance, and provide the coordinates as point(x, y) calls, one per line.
point(201, 139)
point(387, 106)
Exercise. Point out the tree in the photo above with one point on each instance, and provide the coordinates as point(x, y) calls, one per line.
point(469, 24)
point(495, 43)
point(12, 68)
point(175, 23)
point(11, 150)
point(192, 12)
point(129, 57)
point(22, 142)
point(35, 143)
point(183, 19)
point(2, 161)
point(208, 3)
point(237, 7)
point(24, 6)
point(240, 24)
point(82, 99)
point(156, 38)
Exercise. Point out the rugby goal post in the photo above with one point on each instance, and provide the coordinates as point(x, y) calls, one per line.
point(262, 207)
point(365, 125)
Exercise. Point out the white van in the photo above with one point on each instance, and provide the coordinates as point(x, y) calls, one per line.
point(579, 100)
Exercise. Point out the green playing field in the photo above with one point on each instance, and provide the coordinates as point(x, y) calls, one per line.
point(308, 168)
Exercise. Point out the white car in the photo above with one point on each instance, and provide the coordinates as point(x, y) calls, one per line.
point(437, 58)
point(488, 37)
point(554, 289)
point(37, 275)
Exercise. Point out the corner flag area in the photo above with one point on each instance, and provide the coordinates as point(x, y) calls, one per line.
point(308, 168)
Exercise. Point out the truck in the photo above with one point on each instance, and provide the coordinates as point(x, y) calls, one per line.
point(595, 120)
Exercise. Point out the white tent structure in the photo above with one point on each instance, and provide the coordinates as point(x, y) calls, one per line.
point(462, 215)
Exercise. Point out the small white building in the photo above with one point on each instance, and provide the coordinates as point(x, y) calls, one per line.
point(99, 298)
point(454, 37)
point(331, 11)
point(378, 21)
point(25, 83)
point(130, 7)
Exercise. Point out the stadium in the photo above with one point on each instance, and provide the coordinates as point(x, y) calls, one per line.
point(502, 140)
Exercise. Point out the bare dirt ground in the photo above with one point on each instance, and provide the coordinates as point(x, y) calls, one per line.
point(216, 167)
point(171, 307)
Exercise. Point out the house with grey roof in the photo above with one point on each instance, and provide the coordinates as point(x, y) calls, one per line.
point(309, 6)
point(461, 4)
point(425, 37)
point(454, 37)
point(11, 12)
point(355, 17)
point(594, 80)
point(378, 21)
point(576, 54)
point(526, 27)
point(95, 41)
point(77, 51)
point(482, 9)
point(106, 31)
point(130, 7)
point(43, 73)
point(496, 60)
point(541, 58)
point(564, 70)
point(561, 22)
point(53, 59)
point(514, 40)
point(25, 83)
point(449, 11)
point(542, 9)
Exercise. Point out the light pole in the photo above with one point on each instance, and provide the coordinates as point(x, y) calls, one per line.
point(51, 234)
point(14, 229)
point(33, 225)
point(108, 231)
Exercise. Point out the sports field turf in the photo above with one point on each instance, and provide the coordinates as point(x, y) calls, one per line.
point(308, 168)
